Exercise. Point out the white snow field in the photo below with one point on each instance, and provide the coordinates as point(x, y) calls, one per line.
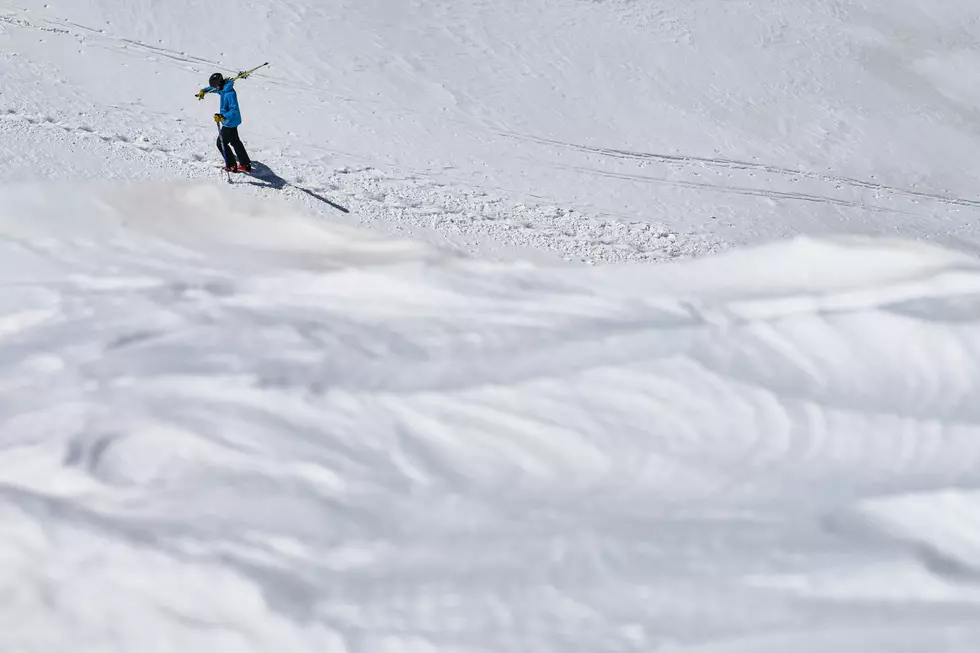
point(597, 131)
point(371, 401)
point(229, 428)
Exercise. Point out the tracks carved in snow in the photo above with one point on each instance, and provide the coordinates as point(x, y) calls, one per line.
point(80, 130)
point(735, 164)
point(13, 21)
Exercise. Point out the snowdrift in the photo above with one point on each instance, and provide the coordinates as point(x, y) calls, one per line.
point(229, 428)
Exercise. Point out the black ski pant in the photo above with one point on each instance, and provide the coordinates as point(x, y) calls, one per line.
point(230, 137)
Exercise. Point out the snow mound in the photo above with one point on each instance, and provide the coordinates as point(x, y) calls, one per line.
point(229, 428)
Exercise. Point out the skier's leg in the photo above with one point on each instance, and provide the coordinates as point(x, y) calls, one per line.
point(223, 149)
point(243, 159)
point(236, 142)
point(226, 152)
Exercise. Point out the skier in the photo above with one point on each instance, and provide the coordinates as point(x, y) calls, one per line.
point(229, 116)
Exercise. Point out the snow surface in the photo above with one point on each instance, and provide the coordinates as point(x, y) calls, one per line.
point(591, 131)
point(229, 428)
point(295, 414)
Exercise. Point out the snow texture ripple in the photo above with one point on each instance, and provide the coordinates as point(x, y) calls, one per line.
point(226, 427)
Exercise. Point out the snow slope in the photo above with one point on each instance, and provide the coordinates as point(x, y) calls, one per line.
point(229, 428)
point(312, 423)
point(598, 131)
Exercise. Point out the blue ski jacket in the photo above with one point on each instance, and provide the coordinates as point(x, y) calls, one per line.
point(229, 104)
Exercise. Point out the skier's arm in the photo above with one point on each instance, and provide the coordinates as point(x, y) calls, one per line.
point(205, 91)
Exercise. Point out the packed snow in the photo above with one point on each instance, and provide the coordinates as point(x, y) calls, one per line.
point(542, 325)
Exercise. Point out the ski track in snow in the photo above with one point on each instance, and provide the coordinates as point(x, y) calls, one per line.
point(793, 175)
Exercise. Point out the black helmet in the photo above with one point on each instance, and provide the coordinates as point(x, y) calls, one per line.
point(216, 80)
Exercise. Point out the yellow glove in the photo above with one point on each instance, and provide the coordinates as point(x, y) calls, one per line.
point(201, 94)
point(218, 118)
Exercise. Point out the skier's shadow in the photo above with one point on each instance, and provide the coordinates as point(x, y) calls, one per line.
point(268, 179)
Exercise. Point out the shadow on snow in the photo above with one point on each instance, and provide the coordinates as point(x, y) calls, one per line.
point(269, 179)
